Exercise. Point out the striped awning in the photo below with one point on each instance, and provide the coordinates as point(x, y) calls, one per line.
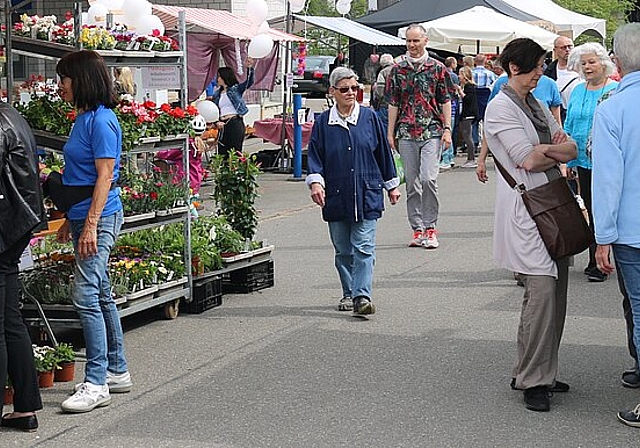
point(222, 22)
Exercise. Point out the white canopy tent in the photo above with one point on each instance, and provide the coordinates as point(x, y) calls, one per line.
point(564, 20)
point(480, 30)
point(346, 27)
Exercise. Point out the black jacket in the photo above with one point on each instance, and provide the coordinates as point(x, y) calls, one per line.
point(21, 206)
point(469, 103)
point(552, 70)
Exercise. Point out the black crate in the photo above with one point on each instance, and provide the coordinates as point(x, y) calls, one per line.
point(206, 294)
point(252, 278)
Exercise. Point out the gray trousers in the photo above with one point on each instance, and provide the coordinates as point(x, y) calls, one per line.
point(544, 309)
point(421, 161)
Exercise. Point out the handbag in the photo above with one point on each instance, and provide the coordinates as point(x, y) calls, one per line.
point(397, 161)
point(556, 213)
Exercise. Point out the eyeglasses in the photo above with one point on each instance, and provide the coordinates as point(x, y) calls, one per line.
point(346, 89)
point(565, 47)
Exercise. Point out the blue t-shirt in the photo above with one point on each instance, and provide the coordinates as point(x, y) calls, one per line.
point(546, 90)
point(95, 135)
point(580, 111)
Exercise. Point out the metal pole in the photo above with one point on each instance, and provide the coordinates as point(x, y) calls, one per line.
point(7, 50)
point(285, 97)
point(297, 136)
point(77, 23)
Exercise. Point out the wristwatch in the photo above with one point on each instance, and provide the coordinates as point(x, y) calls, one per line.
point(447, 128)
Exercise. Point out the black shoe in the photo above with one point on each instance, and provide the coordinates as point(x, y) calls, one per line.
point(630, 418)
point(537, 399)
point(631, 378)
point(362, 305)
point(27, 424)
point(590, 268)
point(596, 276)
point(558, 387)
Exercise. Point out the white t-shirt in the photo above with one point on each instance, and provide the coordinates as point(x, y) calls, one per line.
point(226, 106)
point(567, 81)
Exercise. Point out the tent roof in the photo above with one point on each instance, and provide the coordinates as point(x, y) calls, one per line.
point(222, 22)
point(406, 12)
point(483, 27)
point(352, 29)
point(563, 19)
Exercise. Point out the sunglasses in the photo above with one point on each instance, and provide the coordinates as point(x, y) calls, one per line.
point(346, 89)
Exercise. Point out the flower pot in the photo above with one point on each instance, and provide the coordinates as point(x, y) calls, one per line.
point(147, 292)
point(66, 372)
point(139, 217)
point(8, 395)
point(45, 379)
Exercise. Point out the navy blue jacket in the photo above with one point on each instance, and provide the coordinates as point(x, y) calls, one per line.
point(354, 165)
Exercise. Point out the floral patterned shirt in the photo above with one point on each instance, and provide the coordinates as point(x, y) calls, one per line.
point(418, 93)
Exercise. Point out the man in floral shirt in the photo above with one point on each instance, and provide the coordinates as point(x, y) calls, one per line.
point(419, 91)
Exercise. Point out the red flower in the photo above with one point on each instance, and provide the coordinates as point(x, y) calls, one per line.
point(149, 104)
point(153, 195)
point(71, 115)
point(177, 113)
point(192, 110)
point(155, 33)
point(68, 15)
point(165, 107)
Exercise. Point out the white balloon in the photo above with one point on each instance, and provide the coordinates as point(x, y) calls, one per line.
point(112, 5)
point(343, 8)
point(297, 5)
point(146, 25)
point(134, 9)
point(257, 11)
point(263, 28)
point(260, 46)
point(208, 110)
point(97, 14)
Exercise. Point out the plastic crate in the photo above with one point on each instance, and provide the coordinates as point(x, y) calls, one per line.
point(252, 278)
point(206, 294)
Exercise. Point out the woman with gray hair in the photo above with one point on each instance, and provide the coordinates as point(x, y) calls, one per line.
point(350, 164)
point(379, 102)
point(595, 66)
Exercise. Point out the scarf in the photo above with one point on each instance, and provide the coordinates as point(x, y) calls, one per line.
point(417, 62)
point(534, 112)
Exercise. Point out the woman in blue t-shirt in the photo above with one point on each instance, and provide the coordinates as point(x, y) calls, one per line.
point(92, 158)
point(595, 66)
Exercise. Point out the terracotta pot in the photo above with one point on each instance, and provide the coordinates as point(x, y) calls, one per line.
point(45, 379)
point(8, 395)
point(66, 373)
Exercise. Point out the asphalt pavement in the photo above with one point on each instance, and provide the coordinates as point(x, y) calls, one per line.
point(283, 368)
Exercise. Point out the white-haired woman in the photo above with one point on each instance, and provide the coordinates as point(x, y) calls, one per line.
point(594, 64)
point(350, 167)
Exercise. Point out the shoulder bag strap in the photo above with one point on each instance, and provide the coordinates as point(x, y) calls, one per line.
point(505, 174)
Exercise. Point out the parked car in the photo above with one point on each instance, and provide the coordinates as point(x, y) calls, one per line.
point(315, 80)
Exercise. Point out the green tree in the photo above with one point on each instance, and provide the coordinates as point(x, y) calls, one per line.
point(615, 12)
point(325, 42)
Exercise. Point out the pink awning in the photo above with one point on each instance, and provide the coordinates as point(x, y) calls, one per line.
point(222, 22)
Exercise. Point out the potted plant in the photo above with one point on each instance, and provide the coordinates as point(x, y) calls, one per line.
point(45, 361)
point(236, 189)
point(66, 360)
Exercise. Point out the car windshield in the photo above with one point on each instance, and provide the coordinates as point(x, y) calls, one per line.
point(316, 63)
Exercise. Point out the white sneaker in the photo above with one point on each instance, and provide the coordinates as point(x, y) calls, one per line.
point(431, 240)
point(87, 398)
point(119, 383)
point(470, 164)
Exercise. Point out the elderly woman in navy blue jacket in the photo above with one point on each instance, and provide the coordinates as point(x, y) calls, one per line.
point(350, 165)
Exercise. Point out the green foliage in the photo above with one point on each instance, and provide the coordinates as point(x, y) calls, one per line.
point(44, 358)
point(325, 42)
point(236, 189)
point(64, 353)
point(47, 115)
point(615, 12)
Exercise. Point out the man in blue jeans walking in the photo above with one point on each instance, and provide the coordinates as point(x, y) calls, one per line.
point(616, 180)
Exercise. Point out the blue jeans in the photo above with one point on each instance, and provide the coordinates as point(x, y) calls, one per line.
point(355, 246)
point(95, 305)
point(628, 262)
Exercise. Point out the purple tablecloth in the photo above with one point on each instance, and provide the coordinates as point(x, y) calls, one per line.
point(271, 130)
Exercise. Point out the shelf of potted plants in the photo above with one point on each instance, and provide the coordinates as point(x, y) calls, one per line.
point(52, 119)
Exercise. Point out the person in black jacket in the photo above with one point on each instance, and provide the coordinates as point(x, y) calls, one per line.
point(21, 212)
point(469, 114)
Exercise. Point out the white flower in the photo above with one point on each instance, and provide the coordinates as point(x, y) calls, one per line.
point(212, 233)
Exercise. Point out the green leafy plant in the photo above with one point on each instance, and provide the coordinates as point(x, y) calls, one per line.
point(236, 189)
point(47, 114)
point(64, 353)
point(44, 358)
